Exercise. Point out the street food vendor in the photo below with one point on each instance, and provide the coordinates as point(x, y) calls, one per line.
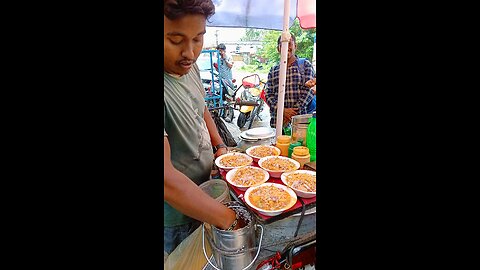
point(189, 130)
point(298, 97)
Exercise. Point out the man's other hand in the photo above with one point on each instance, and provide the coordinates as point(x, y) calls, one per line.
point(311, 83)
point(288, 113)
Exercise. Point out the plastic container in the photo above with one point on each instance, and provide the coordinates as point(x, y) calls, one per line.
point(288, 130)
point(217, 189)
point(301, 154)
point(299, 127)
point(290, 148)
point(283, 142)
point(312, 137)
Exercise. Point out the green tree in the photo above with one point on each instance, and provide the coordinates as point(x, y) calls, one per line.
point(252, 34)
point(303, 38)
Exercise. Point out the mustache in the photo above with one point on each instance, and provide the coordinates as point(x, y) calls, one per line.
point(186, 62)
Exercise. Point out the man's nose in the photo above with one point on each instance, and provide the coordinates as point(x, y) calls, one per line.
point(187, 51)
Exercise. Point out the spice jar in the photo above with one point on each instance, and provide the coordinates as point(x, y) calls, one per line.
point(283, 142)
point(290, 148)
point(301, 154)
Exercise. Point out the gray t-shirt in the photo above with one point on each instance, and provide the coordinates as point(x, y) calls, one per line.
point(187, 133)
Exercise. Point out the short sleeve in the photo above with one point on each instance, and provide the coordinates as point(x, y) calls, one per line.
point(164, 119)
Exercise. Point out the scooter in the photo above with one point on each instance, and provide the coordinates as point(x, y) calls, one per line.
point(248, 98)
point(254, 91)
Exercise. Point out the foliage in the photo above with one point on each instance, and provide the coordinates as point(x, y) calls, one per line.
point(249, 68)
point(252, 34)
point(304, 40)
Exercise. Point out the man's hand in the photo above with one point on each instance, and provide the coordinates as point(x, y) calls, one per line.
point(311, 83)
point(221, 151)
point(288, 113)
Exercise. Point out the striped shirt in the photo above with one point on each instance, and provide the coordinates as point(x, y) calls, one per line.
point(297, 95)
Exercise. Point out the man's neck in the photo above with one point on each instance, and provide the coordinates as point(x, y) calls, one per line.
point(291, 60)
point(173, 74)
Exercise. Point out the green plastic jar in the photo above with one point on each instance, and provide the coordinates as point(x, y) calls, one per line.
point(290, 148)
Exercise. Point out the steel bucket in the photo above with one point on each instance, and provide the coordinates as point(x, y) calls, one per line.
point(299, 127)
point(234, 250)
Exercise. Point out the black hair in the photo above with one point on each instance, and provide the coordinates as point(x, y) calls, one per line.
point(175, 9)
point(221, 46)
point(279, 41)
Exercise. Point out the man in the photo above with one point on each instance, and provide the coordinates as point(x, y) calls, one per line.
point(189, 130)
point(298, 97)
point(311, 83)
point(226, 64)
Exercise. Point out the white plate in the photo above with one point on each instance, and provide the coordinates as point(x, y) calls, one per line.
point(217, 160)
point(249, 151)
point(259, 132)
point(244, 135)
point(277, 174)
point(274, 212)
point(300, 193)
point(232, 172)
point(248, 139)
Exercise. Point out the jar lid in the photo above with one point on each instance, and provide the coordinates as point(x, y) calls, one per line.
point(284, 139)
point(292, 145)
point(301, 151)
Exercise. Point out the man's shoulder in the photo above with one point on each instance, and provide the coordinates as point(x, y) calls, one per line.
point(195, 68)
point(275, 68)
point(304, 60)
point(308, 63)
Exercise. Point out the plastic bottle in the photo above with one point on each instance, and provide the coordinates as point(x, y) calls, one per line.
point(283, 142)
point(287, 130)
point(301, 154)
point(312, 137)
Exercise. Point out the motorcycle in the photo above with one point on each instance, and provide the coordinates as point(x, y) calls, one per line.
point(254, 91)
point(248, 99)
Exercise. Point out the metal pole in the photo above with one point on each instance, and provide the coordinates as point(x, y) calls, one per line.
point(283, 68)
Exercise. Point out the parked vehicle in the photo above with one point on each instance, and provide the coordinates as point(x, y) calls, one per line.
point(253, 91)
point(248, 99)
point(206, 71)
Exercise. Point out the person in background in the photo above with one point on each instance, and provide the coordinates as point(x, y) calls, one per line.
point(311, 83)
point(189, 130)
point(298, 97)
point(226, 64)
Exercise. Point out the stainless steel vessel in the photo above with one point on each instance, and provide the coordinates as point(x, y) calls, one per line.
point(234, 250)
point(299, 127)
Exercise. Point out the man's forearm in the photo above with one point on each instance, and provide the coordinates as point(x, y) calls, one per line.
point(188, 198)
point(305, 100)
point(185, 196)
